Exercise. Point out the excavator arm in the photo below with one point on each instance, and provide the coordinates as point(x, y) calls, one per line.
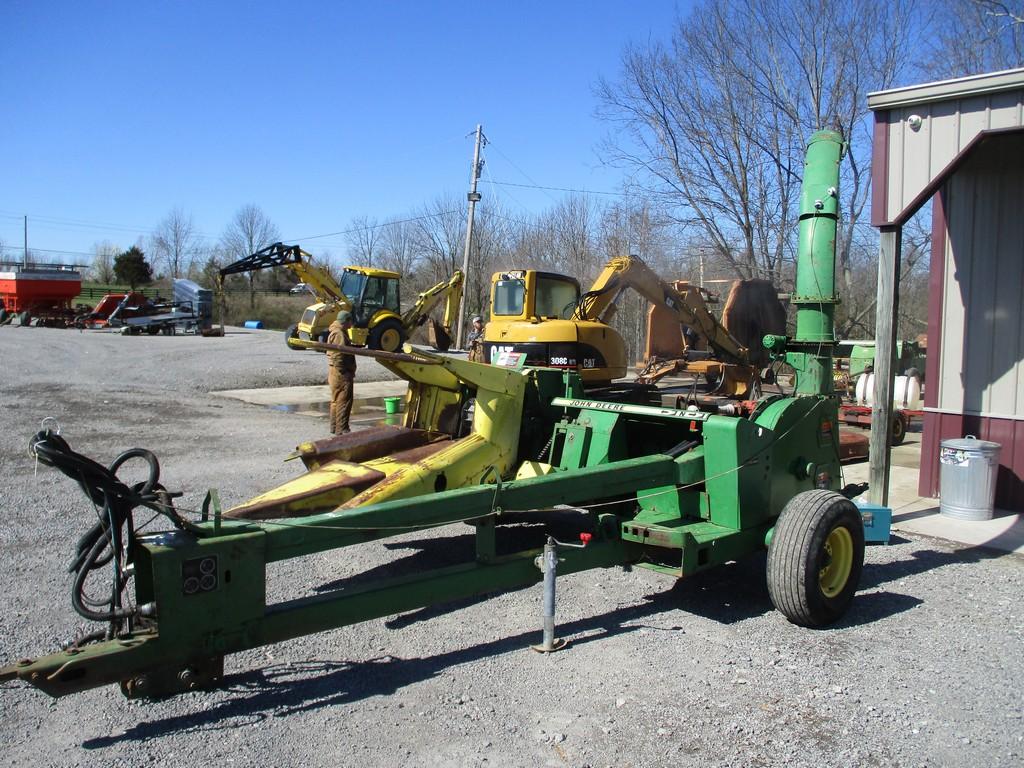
point(449, 291)
point(291, 257)
point(629, 272)
point(439, 334)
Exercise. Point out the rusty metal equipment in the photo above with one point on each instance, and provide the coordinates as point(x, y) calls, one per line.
point(673, 490)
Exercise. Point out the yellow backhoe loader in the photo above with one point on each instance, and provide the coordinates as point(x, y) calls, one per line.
point(370, 294)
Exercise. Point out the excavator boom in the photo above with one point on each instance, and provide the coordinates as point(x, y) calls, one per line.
point(630, 272)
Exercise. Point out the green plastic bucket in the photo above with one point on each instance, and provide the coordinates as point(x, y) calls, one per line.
point(392, 404)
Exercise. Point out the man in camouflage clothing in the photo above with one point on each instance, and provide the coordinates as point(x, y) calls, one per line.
point(475, 340)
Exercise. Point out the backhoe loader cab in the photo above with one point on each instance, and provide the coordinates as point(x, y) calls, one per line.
point(530, 313)
point(375, 307)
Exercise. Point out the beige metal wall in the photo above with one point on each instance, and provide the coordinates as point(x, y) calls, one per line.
point(916, 157)
point(981, 349)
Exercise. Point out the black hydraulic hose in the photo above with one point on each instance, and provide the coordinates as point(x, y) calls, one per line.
point(104, 542)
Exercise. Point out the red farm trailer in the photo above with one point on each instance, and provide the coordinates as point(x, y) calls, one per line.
point(40, 295)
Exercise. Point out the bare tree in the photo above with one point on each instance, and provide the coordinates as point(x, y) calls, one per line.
point(365, 241)
point(439, 235)
point(975, 36)
point(716, 121)
point(173, 242)
point(102, 270)
point(397, 247)
point(572, 223)
point(494, 235)
point(249, 231)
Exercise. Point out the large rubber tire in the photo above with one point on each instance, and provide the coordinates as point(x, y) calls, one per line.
point(815, 558)
point(387, 335)
point(3, 316)
point(24, 318)
point(292, 332)
point(899, 430)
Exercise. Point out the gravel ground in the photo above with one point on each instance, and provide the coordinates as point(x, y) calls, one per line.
point(926, 669)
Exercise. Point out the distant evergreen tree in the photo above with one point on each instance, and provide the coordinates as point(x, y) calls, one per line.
point(131, 267)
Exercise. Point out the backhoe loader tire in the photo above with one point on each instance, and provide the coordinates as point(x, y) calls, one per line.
point(815, 558)
point(387, 336)
point(292, 332)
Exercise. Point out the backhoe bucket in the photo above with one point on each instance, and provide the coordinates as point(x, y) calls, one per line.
point(438, 336)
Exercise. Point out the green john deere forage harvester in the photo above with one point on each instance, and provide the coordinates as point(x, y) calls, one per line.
point(675, 488)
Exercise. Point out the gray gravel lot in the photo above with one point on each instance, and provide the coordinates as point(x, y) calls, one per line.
point(926, 669)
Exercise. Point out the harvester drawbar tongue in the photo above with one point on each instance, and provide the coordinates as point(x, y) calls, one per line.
point(674, 490)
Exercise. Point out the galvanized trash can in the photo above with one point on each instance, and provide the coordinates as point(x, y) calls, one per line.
point(967, 478)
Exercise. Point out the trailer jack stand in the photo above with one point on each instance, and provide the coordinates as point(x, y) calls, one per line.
point(548, 564)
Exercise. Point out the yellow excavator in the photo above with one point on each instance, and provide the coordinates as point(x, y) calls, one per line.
point(370, 294)
point(544, 315)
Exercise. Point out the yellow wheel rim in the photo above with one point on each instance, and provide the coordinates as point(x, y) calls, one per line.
point(838, 562)
point(390, 340)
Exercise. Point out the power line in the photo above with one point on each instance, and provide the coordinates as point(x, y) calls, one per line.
point(367, 228)
point(558, 189)
point(18, 248)
point(61, 222)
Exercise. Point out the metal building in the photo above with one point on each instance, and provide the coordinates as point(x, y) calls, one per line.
point(959, 143)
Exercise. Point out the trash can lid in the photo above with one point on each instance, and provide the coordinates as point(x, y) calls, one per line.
point(971, 443)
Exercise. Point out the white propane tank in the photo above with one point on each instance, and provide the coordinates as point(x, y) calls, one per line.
point(906, 393)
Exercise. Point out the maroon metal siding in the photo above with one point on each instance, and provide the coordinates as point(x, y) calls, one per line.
point(928, 479)
point(880, 169)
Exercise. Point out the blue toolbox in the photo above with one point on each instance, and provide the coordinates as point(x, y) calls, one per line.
point(877, 521)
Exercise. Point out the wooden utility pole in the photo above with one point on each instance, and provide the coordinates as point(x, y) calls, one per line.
point(24, 263)
point(474, 198)
point(887, 314)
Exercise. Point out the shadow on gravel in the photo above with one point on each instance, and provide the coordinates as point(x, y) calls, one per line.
point(875, 606)
point(922, 561)
point(282, 690)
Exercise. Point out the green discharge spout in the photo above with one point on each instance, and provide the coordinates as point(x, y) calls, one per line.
point(810, 350)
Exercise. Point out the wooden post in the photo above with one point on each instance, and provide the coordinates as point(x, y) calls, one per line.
point(886, 316)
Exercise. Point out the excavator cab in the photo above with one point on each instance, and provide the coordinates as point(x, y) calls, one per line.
point(528, 294)
point(530, 314)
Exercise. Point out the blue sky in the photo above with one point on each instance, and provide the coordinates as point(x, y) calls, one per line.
point(318, 112)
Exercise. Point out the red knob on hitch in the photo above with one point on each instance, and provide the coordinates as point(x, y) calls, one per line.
point(586, 537)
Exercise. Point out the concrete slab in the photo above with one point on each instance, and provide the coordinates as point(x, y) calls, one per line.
point(294, 396)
